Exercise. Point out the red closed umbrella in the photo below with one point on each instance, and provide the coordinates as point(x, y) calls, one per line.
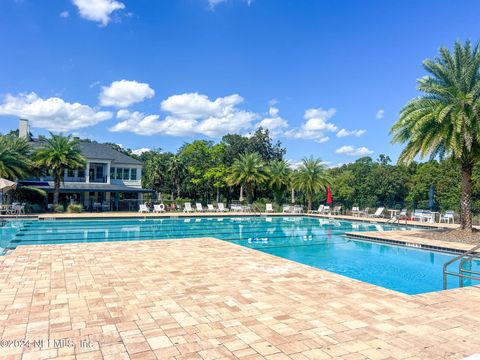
point(329, 196)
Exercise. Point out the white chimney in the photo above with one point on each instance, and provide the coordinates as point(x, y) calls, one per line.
point(23, 130)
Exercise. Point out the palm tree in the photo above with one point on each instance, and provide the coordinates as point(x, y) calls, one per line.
point(57, 154)
point(249, 170)
point(311, 178)
point(444, 121)
point(14, 157)
point(177, 169)
point(279, 173)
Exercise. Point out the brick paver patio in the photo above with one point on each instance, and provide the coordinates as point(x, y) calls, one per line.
point(209, 299)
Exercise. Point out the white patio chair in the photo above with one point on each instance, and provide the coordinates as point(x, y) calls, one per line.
point(221, 207)
point(428, 216)
point(337, 210)
point(210, 208)
point(158, 208)
point(378, 213)
point(268, 208)
point(143, 208)
point(449, 215)
point(187, 207)
point(286, 209)
point(355, 211)
point(326, 209)
point(198, 206)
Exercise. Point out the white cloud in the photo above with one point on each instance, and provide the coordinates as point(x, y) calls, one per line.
point(344, 132)
point(352, 151)
point(273, 102)
point(190, 114)
point(93, 84)
point(53, 114)
point(98, 10)
point(315, 126)
point(380, 114)
point(213, 3)
point(140, 151)
point(64, 14)
point(124, 93)
point(274, 123)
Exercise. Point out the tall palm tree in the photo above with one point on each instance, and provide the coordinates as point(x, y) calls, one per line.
point(249, 170)
point(279, 174)
point(444, 121)
point(14, 157)
point(311, 178)
point(177, 169)
point(57, 154)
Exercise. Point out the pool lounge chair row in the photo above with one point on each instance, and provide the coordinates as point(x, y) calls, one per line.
point(325, 209)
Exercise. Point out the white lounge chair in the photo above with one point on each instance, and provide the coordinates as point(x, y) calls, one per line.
point(318, 211)
point(378, 213)
point(210, 208)
point(143, 208)
point(158, 208)
point(355, 211)
point(221, 207)
point(337, 210)
point(418, 215)
point(198, 206)
point(286, 209)
point(268, 208)
point(326, 210)
point(297, 209)
point(187, 207)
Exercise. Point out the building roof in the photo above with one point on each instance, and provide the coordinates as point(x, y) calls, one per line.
point(80, 187)
point(93, 150)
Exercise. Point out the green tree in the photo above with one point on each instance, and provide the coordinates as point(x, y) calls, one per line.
point(444, 121)
point(279, 178)
point(249, 170)
point(14, 157)
point(58, 154)
point(311, 178)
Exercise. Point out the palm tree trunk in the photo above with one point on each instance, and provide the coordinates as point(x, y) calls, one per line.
point(466, 198)
point(241, 193)
point(293, 195)
point(218, 194)
point(309, 203)
point(56, 188)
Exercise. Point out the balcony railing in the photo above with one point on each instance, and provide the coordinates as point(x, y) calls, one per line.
point(102, 180)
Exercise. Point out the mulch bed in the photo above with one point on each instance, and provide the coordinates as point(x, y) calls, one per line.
point(455, 235)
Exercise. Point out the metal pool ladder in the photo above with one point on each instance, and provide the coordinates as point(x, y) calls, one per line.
point(462, 273)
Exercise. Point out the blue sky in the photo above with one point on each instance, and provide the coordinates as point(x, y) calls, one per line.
point(327, 77)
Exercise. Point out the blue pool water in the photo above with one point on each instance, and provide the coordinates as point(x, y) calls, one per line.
point(316, 242)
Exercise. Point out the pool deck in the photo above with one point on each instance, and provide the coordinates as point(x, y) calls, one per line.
point(209, 299)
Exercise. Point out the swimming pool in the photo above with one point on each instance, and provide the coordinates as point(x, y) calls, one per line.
point(312, 241)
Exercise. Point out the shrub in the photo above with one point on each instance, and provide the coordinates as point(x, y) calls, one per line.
point(58, 208)
point(75, 208)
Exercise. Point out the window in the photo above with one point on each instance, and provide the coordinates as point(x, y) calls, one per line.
point(126, 173)
point(70, 173)
point(81, 173)
point(119, 173)
point(112, 173)
point(133, 174)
